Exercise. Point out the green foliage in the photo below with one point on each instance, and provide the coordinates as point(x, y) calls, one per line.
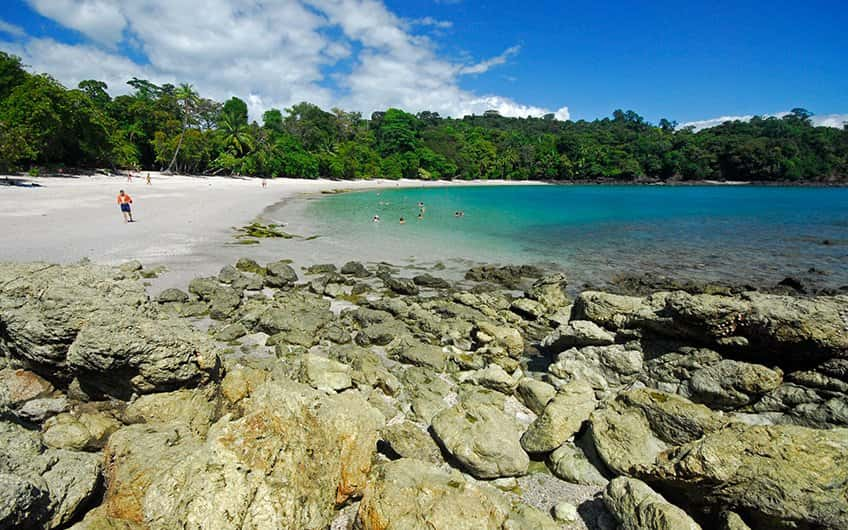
point(158, 126)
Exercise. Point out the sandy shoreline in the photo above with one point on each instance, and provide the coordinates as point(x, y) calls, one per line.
point(183, 222)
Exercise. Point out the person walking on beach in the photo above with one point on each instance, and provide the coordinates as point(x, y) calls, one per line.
point(124, 202)
point(148, 179)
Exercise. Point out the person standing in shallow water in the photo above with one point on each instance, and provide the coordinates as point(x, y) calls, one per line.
point(124, 201)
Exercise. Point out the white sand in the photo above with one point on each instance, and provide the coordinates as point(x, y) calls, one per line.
point(182, 222)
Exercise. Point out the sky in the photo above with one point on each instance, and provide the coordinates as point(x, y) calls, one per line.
point(697, 62)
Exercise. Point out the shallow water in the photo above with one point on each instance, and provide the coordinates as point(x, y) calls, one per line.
point(739, 234)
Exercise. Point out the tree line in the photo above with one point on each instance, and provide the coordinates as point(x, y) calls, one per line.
point(173, 128)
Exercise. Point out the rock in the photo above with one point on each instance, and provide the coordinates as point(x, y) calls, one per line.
point(535, 394)
point(66, 432)
point(172, 295)
point(426, 392)
point(223, 301)
point(498, 344)
point(228, 274)
point(296, 315)
point(285, 463)
point(19, 386)
point(43, 307)
point(119, 356)
point(279, 274)
point(249, 265)
point(321, 268)
point(571, 464)
point(130, 266)
point(527, 308)
point(638, 507)
point(100, 426)
point(577, 333)
point(415, 352)
point(566, 513)
point(495, 378)
point(415, 495)
point(22, 503)
point(98, 519)
point(561, 419)
point(524, 517)
point(482, 439)
point(407, 440)
point(367, 369)
point(38, 410)
point(778, 476)
point(637, 425)
point(231, 332)
point(355, 269)
point(203, 288)
point(324, 374)
point(248, 281)
point(605, 368)
point(550, 291)
point(433, 282)
point(611, 311)
point(732, 384)
point(732, 521)
point(403, 286)
point(72, 480)
point(509, 276)
point(197, 409)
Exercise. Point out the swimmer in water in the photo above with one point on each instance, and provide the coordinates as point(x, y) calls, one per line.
point(376, 219)
point(420, 216)
point(402, 221)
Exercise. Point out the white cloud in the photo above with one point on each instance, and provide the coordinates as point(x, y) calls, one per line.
point(828, 120)
point(831, 120)
point(11, 29)
point(562, 114)
point(484, 66)
point(430, 21)
point(271, 54)
point(101, 20)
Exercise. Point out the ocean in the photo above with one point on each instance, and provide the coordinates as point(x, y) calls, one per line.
point(740, 234)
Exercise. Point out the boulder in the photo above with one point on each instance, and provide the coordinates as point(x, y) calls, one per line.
point(528, 308)
point(171, 295)
point(611, 311)
point(483, 439)
point(416, 495)
point(570, 463)
point(577, 333)
point(119, 356)
point(324, 374)
point(550, 291)
point(249, 265)
point(605, 368)
point(426, 392)
point(38, 410)
point(367, 368)
point(776, 476)
point(19, 386)
point(223, 301)
point(731, 384)
point(637, 425)
point(296, 315)
point(321, 268)
point(430, 281)
point(535, 394)
point(279, 274)
point(561, 419)
point(403, 286)
point(43, 307)
point(22, 503)
point(411, 351)
point(407, 440)
point(195, 408)
point(228, 274)
point(495, 378)
point(637, 507)
point(285, 463)
point(355, 269)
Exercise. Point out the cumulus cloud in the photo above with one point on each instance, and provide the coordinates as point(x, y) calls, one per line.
point(430, 21)
point(828, 120)
point(355, 54)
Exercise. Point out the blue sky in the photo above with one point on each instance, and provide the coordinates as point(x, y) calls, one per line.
point(687, 61)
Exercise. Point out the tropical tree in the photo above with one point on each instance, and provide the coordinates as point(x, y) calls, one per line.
point(188, 100)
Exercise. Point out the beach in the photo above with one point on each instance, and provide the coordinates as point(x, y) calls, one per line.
point(185, 223)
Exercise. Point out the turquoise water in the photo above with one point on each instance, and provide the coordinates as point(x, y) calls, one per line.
point(756, 234)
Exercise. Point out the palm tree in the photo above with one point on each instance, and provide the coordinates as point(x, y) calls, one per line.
point(237, 135)
point(188, 99)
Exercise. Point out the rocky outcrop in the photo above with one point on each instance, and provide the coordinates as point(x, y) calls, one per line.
point(605, 368)
point(638, 425)
point(285, 463)
point(774, 476)
point(577, 333)
point(415, 495)
point(279, 274)
point(637, 507)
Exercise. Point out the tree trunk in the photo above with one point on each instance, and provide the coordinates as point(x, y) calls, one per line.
point(179, 144)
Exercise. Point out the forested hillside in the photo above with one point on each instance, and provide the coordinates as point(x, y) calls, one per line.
point(46, 125)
